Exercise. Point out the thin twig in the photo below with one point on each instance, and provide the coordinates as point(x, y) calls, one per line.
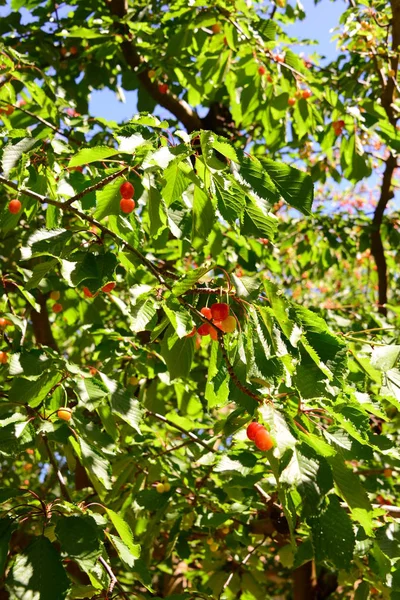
point(192, 435)
point(96, 186)
point(241, 564)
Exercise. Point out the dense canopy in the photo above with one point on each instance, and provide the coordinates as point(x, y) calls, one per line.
point(199, 306)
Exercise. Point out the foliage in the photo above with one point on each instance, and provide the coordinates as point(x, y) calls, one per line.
point(152, 488)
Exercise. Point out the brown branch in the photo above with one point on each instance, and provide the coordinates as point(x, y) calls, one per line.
point(192, 435)
point(47, 123)
point(41, 324)
point(386, 194)
point(235, 378)
point(96, 186)
point(179, 108)
point(241, 564)
point(377, 248)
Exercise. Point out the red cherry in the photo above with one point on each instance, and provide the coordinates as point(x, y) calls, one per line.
point(4, 322)
point(127, 190)
point(213, 334)
point(291, 101)
point(204, 329)
point(220, 311)
point(206, 312)
point(127, 205)
point(192, 333)
point(87, 292)
point(14, 206)
point(252, 430)
point(216, 28)
point(162, 88)
point(73, 50)
point(262, 70)
point(263, 440)
point(57, 307)
point(306, 94)
point(108, 287)
point(3, 358)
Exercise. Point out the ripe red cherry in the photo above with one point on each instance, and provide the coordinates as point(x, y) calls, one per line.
point(206, 312)
point(87, 292)
point(261, 70)
point(213, 333)
point(3, 358)
point(57, 307)
point(263, 440)
point(291, 101)
point(219, 311)
point(127, 205)
point(162, 88)
point(127, 190)
point(204, 329)
point(252, 430)
point(306, 94)
point(14, 206)
point(4, 322)
point(108, 287)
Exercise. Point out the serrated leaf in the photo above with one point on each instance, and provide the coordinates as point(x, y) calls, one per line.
point(124, 532)
point(80, 538)
point(143, 311)
point(12, 153)
point(49, 242)
point(385, 357)
point(179, 317)
point(108, 199)
point(332, 535)
point(38, 573)
point(186, 282)
point(295, 186)
point(97, 467)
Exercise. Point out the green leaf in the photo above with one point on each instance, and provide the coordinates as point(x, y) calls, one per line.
point(179, 317)
point(80, 538)
point(108, 199)
point(90, 155)
point(143, 311)
point(97, 467)
point(177, 353)
point(332, 535)
point(126, 407)
point(296, 187)
point(12, 153)
point(46, 242)
point(33, 392)
point(124, 532)
point(385, 357)
point(176, 181)
point(203, 214)
point(185, 283)
point(38, 573)
point(123, 551)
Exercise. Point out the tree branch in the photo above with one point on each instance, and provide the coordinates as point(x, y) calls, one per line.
point(41, 324)
point(179, 108)
point(192, 435)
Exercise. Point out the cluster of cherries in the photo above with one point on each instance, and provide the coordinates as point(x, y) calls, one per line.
point(106, 289)
point(127, 203)
point(218, 313)
point(258, 434)
point(338, 127)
